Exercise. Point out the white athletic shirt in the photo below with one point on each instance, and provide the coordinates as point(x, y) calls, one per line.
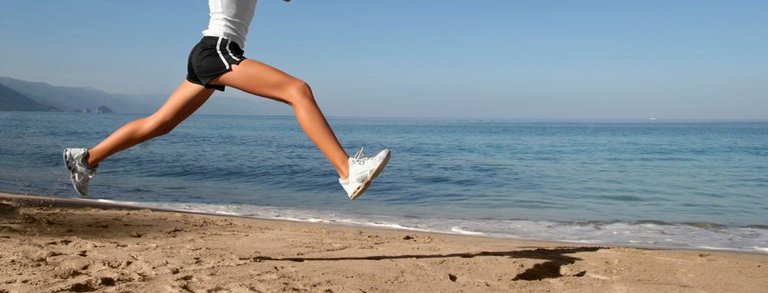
point(230, 19)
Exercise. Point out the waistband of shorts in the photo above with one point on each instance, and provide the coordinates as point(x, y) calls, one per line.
point(214, 40)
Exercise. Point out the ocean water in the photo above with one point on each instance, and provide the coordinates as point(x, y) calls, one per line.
point(680, 184)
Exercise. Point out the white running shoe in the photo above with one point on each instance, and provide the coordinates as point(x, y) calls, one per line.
point(362, 171)
point(79, 172)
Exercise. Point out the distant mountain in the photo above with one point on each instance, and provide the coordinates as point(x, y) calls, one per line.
point(11, 100)
point(71, 98)
point(104, 109)
point(81, 99)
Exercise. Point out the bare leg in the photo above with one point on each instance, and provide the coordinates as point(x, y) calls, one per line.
point(263, 80)
point(187, 98)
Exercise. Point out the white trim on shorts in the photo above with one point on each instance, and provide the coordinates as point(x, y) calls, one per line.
point(230, 51)
point(218, 50)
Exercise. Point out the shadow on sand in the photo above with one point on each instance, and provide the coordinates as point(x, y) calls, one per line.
point(555, 259)
point(40, 223)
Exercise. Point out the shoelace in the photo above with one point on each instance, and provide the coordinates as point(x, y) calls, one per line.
point(359, 154)
point(358, 157)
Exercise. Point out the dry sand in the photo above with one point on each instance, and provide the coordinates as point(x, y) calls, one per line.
point(63, 246)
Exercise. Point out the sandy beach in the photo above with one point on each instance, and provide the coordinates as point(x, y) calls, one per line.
point(66, 245)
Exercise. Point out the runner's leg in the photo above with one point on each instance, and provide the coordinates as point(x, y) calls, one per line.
point(263, 80)
point(187, 98)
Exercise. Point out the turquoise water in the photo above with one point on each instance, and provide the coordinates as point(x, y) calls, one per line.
point(646, 183)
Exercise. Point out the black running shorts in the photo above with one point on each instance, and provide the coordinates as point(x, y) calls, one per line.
point(212, 57)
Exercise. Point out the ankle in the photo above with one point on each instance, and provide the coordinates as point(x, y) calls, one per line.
point(90, 162)
point(343, 171)
point(343, 174)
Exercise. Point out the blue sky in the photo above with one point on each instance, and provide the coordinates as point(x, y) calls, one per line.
point(495, 59)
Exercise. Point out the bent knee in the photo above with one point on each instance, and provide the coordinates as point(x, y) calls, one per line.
point(156, 126)
point(297, 91)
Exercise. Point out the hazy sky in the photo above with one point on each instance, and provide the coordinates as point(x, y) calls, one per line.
point(499, 59)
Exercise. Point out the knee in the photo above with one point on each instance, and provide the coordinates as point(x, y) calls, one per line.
point(156, 126)
point(298, 91)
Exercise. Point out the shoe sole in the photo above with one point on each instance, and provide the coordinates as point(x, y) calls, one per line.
point(359, 191)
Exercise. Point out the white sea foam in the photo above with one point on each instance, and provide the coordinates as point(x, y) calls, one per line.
point(460, 230)
point(593, 233)
point(395, 226)
point(108, 201)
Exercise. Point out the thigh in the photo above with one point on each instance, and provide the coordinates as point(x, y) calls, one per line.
point(258, 79)
point(184, 101)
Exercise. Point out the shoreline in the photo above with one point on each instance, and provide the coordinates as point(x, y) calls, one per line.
point(58, 245)
point(38, 200)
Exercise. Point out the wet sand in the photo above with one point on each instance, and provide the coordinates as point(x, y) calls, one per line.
point(66, 245)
